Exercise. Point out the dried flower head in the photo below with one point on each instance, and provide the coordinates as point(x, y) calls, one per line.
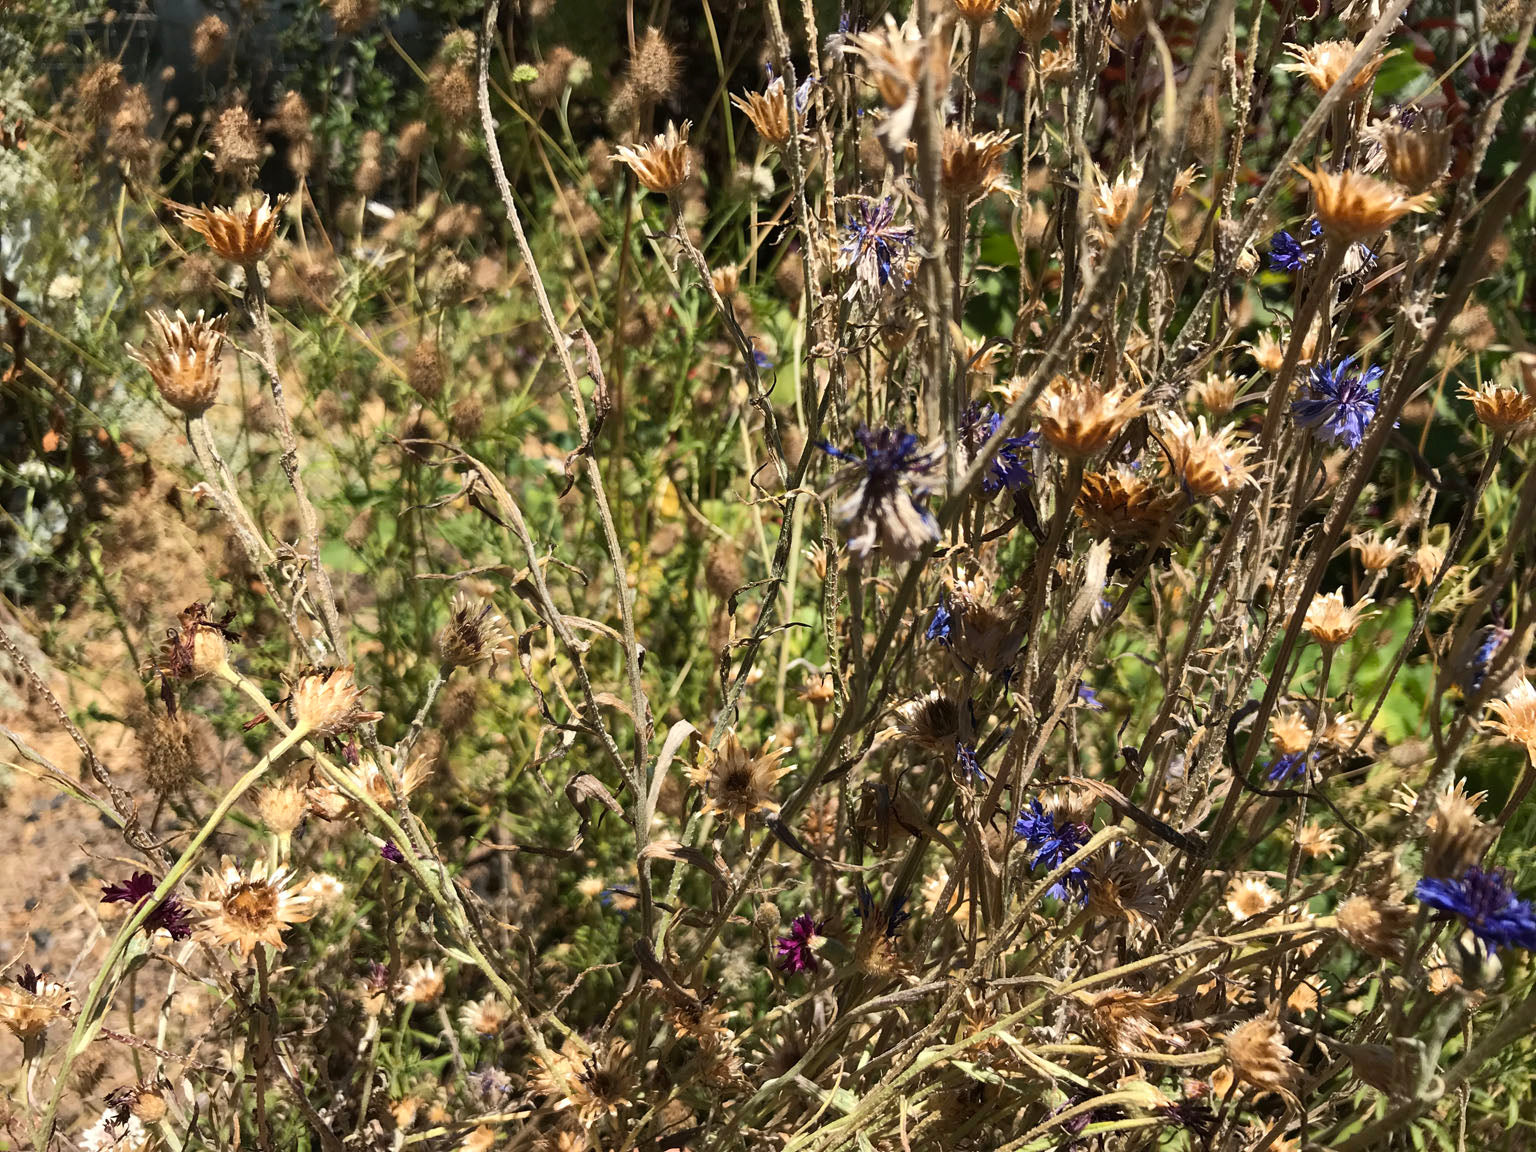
point(352, 16)
point(1376, 554)
point(30, 1001)
point(1500, 408)
point(282, 807)
point(475, 632)
point(378, 779)
point(328, 702)
point(1217, 392)
point(1249, 896)
point(894, 55)
point(1514, 715)
point(1290, 732)
point(1126, 882)
point(1317, 841)
point(735, 784)
point(1353, 207)
point(1324, 63)
point(209, 39)
point(770, 112)
point(877, 951)
point(1418, 157)
point(1330, 621)
point(198, 646)
point(484, 1017)
point(1128, 1021)
point(887, 506)
point(931, 722)
point(653, 69)
point(1260, 1057)
point(1207, 464)
point(971, 163)
point(1031, 19)
point(976, 12)
point(1124, 503)
point(240, 235)
point(1056, 65)
point(1456, 839)
point(1374, 926)
point(595, 1083)
point(183, 360)
point(1078, 418)
point(246, 910)
point(663, 165)
point(421, 983)
point(1423, 567)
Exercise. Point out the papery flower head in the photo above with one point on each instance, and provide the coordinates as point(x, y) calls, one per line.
point(1483, 900)
point(1078, 418)
point(240, 235)
point(328, 702)
point(183, 360)
point(1354, 207)
point(487, 1016)
point(1330, 621)
point(247, 909)
point(1513, 715)
point(1207, 464)
point(1260, 1056)
point(170, 915)
point(889, 484)
point(198, 646)
point(1124, 503)
point(1324, 62)
point(876, 951)
point(1125, 882)
point(931, 721)
point(1455, 838)
point(1249, 896)
point(797, 950)
point(662, 166)
point(1373, 925)
point(1338, 403)
point(475, 631)
point(970, 165)
point(1376, 554)
point(594, 1083)
point(381, 779)
point(422, 983)
point(1217, 392)
point(1423, 566)
point(30, 1001)
point(116, 1131)
point(736, 784)
point(769, 112)
point(1031, 19)
point(1417, 157)
point(1500, 408)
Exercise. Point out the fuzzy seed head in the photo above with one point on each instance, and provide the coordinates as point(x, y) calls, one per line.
point(1290, 732)
point(1374, 926)
point(282, 807)
point(237, 145)
point(167, 752)
point(654, 71)
point(1249, 896)
point(209, 40)
point(1260, 1057)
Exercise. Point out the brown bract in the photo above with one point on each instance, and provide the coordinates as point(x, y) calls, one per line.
point(663, 165)
point(475, 632)
point(769, 112)
point(1501, 409)
point(1330, 621)
point(328, 702)
point(183, 360)
point(241, 235)
point(1353, 207)
point(1123, 503)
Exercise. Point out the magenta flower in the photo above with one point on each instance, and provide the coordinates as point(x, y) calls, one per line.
point(170, 914)
point(795, 954)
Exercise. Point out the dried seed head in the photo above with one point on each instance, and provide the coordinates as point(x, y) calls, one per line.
point(735, 784)
point(167, 751)
point(1207, 464)
point(1249, 896)
point(1330, 621)
point(1217, 392)
point(421, 983)
point(1418, 157)
point(1130, 1022)
point(1127, 883)
point(1323, 63)
point(722, 571)
point(1456, 838)
point(1374, 926)
point(453, 93)
point(328, 702)
point(413, 141)
point(475, 632)
point(1290, 732)
point(183, 360)
point(380, 779)
point(1260, 1057)
point(352, 16)
point(425, 371)
point(1317, 842)
point(198, 646)
point(662, 166)
point(976, 12)
point(1124, 503)
point(30, 1002)
point(237, 145)
point(1129, 18)
point(595, 1084)
point(1376, 554)
point(1056, 65)
point(1031, 19)
point(1352, 207)
point(894, 55)
point(247, 910)
point(971, 164)
point(1423, 566)
point(484, 1017)
point(931, 722)
point(282, 807)
point(1078, 418)
point(653, 71)
point(209, 39)
point(1515, 715)
point(1499, 408)
point(241, 235)
point(769, 112)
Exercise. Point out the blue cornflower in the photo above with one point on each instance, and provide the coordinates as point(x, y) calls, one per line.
point(883, 509)
point(1286, 253)
point(1052, 843)
point(965, 756)
point(1486, 644)
point(1338, 404)
point(1011, 468)
point(938, 628)
point(1088, 698)
point(1291, 765)
point(873, 243)
point(760, 358)
point(1483, 900)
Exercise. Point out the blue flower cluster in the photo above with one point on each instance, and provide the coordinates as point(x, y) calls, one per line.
point(1338, 404)
point(1051, 843)
point(1288, 254)
point(1483, 900)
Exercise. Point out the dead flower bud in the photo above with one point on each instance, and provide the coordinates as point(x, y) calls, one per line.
point(1373, 926)
point(1217, 392)
point(1376, 554)
point(971, 163)
point(1500, 409)
point(735, 784)
point(1456, 838)
point(662, 166)
point(1353, 207)
point(282, 807)
point(1207, 464)
point(1323, 63)
point(594, 1086)
point(474, 633)
point(1124, 502)
point(245, 910)
point(328, 702)
point(183, 360)
point(1078, 418)
point(1418, 157)
point(198, 646)
point(30, 1002)
point(240, 235)
point(1260, 1056)
point(1031, 19)
point(932, 722)
point(1330, 621)
point(769, 112)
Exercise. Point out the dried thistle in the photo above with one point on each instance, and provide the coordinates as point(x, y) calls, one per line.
point(328, 702)
point(474, 633)
point(1374, 926)
point(1124, 503)
point(735, 784)
point(1353, 207)
point(1418, 157)
point(1260, 1057)
point(1330, 621)
point(971, 163)
point(1207, 464)
point(769, 112)
point(1500, 409)
point(1079, 419)
point(1324, 63)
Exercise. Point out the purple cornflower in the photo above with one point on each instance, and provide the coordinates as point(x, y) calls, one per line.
point(796, 953)
point(1484, 901)
point(1052, 843)
point(889, 487)
point(872, 244)
point(939, 626)
point(1338, 404)
point(1010, 469)
point(391, 853)
point(169, 914)
point(965, 756)
point(1193, 1115)
point(1287, 253)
